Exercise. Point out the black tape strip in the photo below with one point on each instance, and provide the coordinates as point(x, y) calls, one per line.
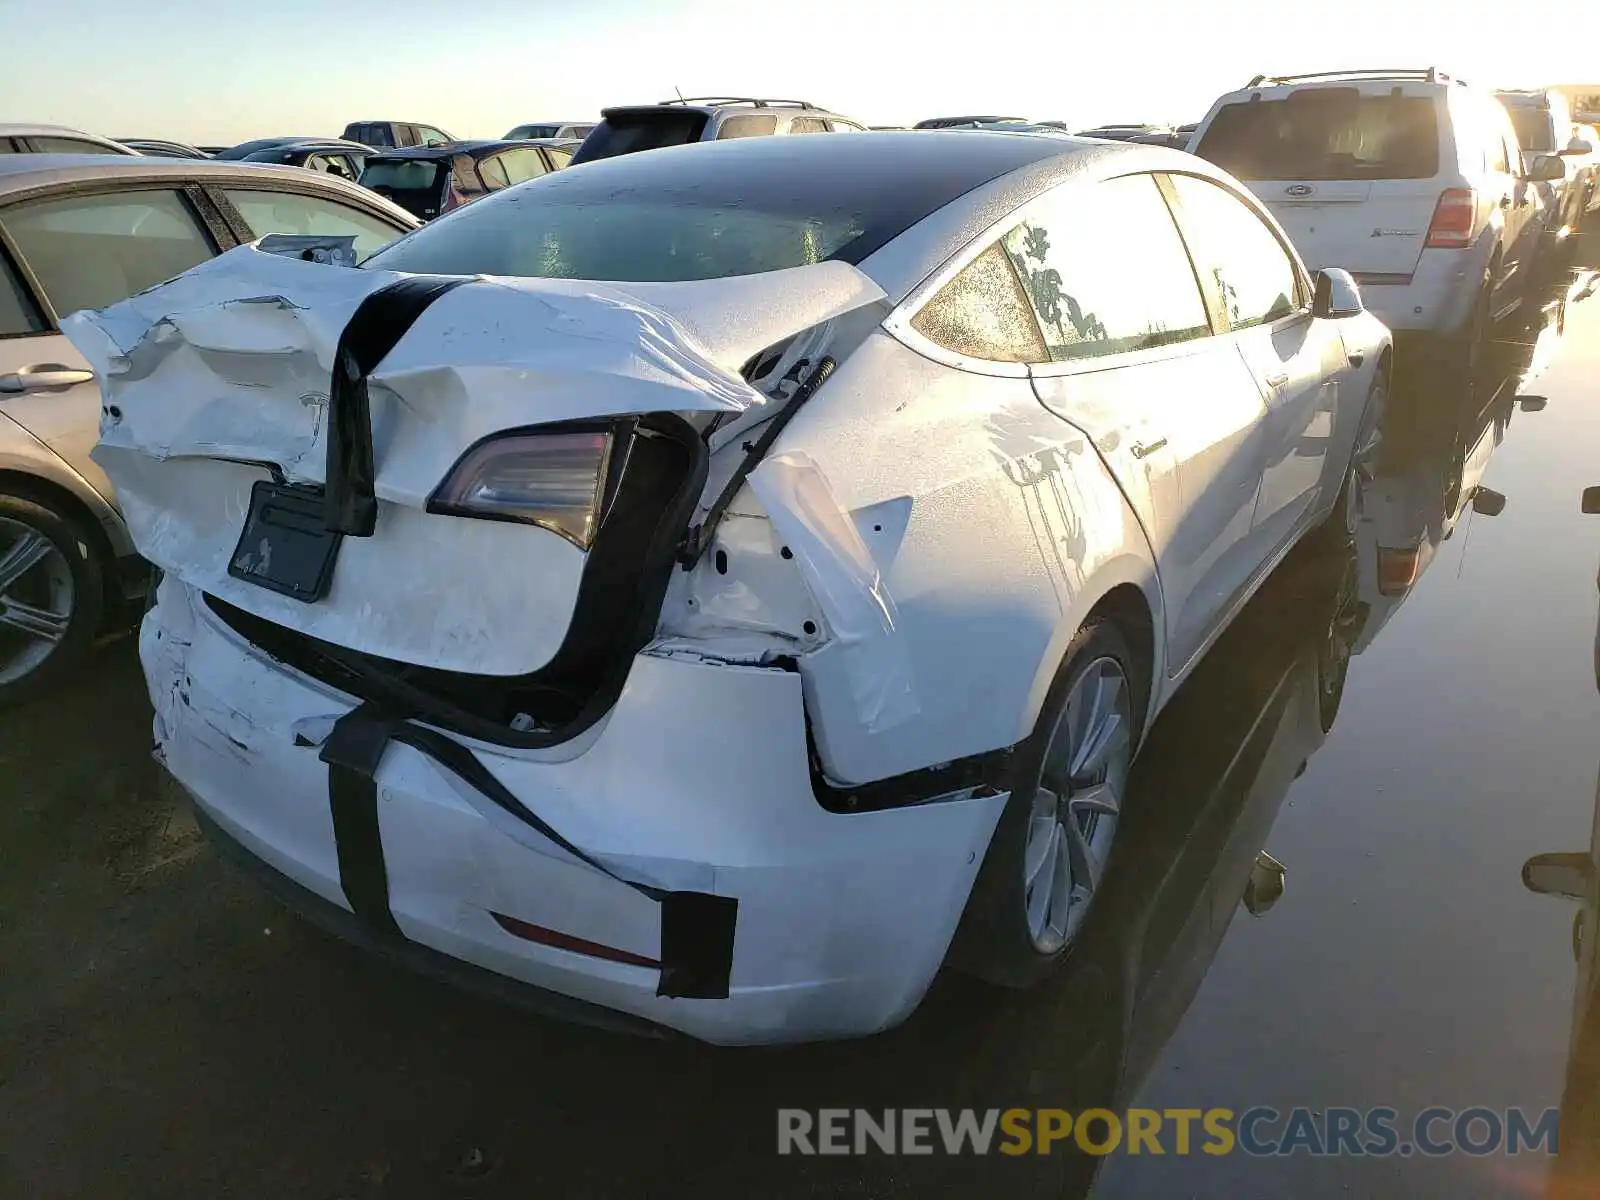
point(353, 751)
point(372, 331)
point(697, 928)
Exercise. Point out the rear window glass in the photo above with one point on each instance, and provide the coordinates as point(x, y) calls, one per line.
point(626, 133)
point(632, 240)
point(397, 178)
point(1533, 126)
point(1326, 133)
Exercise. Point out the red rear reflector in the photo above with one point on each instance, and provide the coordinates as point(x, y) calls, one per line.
point(1454, 218)
point(1398, 571)
point(565, 941)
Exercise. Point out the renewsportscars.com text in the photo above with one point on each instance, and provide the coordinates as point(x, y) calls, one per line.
point(1260, 1131)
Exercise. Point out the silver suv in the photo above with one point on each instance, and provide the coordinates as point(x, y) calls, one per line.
point(703, 119)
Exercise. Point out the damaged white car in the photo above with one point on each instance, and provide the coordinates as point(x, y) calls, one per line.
point(714, 588)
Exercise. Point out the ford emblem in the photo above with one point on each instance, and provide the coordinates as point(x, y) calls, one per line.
point(1299, 189)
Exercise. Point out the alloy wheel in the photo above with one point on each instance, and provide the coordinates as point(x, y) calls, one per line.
point(1077, 804)
point(36, 599)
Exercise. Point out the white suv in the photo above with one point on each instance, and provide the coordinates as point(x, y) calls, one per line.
point(1411, 180)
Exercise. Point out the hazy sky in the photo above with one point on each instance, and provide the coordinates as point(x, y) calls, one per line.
point(222, 72)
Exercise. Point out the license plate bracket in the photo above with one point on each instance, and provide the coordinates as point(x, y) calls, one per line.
point(285, 545)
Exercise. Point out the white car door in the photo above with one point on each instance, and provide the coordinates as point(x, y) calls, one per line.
point(1173, 410)
point(84, 250)
point(1298, 362)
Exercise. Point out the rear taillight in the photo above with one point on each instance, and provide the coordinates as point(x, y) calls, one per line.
point(553, 480)
point(1398, 570)
point(1454, 219)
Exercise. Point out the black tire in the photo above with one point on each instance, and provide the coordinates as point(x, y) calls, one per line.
point(992, 941)
point(76, 549)
point(1469, 350)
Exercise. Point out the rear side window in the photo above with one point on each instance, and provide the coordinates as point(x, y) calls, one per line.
point(1326, 133)
point(558, 158)
point(60, 145)
point(627, 132)
point(738, 127)
point(808, 125)
point(16, 310)
point(291, 212)
point(494, 173)
point(1106, 272)
point(1238, 252)
point(90, 251)
point(842, 126)
point(983, 313)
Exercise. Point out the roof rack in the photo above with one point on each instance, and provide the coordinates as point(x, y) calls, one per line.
point(750, 100)
point(1424, 74)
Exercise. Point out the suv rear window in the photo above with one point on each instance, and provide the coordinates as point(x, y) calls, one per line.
point(628, 130)
point(1326, 133)
point(406, 181)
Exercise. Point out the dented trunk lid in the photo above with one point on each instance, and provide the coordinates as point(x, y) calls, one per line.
point(220, 380)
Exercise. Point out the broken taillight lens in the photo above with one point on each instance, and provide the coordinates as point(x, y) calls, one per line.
point(554, 480)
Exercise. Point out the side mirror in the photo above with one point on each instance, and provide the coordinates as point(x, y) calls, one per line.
point(1532, 403)
point(1336, 295)
point(1488, 503)
point(1591, 501)
point(1547, 168)
point(1578, 148)
point(1564, 875)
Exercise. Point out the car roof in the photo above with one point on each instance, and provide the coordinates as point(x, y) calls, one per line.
point(25, 129)
point(729, 104)
point(22, 173)
point(477, 148)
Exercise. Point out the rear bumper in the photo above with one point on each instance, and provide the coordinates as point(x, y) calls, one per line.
point(1436, 298)
point(697, 780)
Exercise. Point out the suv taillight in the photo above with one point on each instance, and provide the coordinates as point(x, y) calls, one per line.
point(1454, 219)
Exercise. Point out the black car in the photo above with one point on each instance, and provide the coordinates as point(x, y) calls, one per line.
point(331, 156)
point(427, 181)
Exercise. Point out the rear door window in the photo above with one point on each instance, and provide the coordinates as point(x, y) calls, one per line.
point(1326, 133)
point(1238, 254)
point(94, 250)
point(61, 145)
point(738, 127)
point(522, 165)
point(1106, 271)
point(808, 125)
point(292, 212)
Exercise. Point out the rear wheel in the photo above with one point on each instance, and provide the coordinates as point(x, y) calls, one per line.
point(1471, 351)
point(51, 596)
point(1048, 858)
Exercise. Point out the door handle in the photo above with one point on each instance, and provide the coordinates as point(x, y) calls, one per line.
point(1277, 381)
point(42, 377)
point(1140, 450)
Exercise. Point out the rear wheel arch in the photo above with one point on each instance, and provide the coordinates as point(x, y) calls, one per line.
point(1128, 609)
point(73, 508)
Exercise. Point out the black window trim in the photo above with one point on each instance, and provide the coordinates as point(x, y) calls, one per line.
point(190, 194)
point(27, 285)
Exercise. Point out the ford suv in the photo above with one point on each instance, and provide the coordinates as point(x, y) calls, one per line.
point(1411, 180)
